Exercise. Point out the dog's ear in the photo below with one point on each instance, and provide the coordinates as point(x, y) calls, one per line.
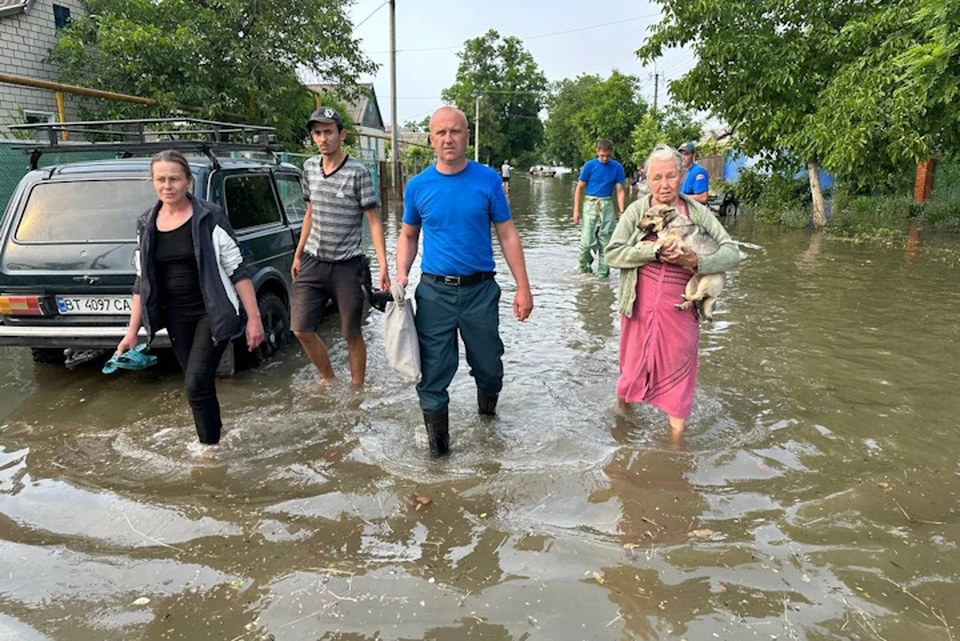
point(669, 215)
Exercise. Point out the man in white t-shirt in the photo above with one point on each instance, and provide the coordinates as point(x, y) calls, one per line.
point(505, 176)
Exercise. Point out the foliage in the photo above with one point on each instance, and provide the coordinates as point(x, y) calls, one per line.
point(892, 102)
point(612, 108)
point(784, 200)
point(588, 108)
point(679, 125)
point(884, 216)
point(418, 125)
point(415, 158)
point(762, 65)
point(773, 198)
point(750, 185)
point(511, 87)
point(564, 140)
point(646, 135)
point(862, 87)
point(672, 125)
point(234, 58)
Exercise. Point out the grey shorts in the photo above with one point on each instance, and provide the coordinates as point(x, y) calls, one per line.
point(317, 283)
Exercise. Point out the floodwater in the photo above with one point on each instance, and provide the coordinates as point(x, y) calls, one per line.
point(815, 495)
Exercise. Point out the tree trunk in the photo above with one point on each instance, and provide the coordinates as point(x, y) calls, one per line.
point(819, 211)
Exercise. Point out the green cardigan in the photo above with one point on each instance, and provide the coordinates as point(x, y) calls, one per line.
point(627, 251)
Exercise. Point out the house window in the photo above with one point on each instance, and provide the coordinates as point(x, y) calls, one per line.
point(31, 117)
point(61, 16)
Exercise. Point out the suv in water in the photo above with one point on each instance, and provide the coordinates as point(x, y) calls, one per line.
point(68, 235)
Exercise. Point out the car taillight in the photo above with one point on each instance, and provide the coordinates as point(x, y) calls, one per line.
point(20, 306)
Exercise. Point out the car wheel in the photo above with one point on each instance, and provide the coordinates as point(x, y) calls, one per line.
point(276, 331)
point(48, 355)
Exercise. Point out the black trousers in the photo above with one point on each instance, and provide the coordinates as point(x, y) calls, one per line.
point(199, 357)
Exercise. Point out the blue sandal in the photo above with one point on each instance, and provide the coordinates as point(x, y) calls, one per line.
point(132, 359)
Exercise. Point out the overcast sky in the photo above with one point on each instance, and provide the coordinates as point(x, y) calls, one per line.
point(444, 25)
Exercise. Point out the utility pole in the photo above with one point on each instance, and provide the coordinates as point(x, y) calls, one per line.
point(395, 125)
point(656, 87)
point(476, 131)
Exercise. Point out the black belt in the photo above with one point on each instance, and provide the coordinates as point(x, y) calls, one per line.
point(461, 281)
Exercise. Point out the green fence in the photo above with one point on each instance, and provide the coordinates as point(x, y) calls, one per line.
point(14, 164)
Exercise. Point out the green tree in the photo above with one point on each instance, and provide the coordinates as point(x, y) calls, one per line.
point(511, 89)
point(611, 109)
point(418, 125)
point(672, 125)
point(762, 66)
point(564, 141)
point(238, 57)
point(893, 101)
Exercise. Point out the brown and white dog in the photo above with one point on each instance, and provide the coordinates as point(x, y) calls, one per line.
point(702, 289)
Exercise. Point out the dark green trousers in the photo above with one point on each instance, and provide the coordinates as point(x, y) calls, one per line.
point(442, 310)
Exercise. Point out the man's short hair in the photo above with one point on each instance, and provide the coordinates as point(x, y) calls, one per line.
point(604, 145)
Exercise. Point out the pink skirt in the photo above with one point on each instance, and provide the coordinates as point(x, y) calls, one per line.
point(659, 344)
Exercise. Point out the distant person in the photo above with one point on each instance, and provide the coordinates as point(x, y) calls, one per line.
point(659, 343)
point(639, 183)
point(329, 262)
point(599, 178)
point(505, 176)
point(191, 279)
point(454, 202)
point(696, 181)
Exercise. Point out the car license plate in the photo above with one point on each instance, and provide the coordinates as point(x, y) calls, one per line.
point(93, 304)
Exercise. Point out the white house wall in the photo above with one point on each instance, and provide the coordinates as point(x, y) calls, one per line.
point(25, 42)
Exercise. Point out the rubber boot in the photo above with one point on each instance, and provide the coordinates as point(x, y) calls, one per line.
point(438, 431)
point(487, 403)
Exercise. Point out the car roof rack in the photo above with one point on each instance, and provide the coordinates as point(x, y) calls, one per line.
point(149, 135)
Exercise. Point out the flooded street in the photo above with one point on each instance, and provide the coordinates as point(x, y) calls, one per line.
point(815, 495)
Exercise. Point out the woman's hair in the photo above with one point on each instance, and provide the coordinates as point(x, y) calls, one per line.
point(171, 155)
point(663, 152)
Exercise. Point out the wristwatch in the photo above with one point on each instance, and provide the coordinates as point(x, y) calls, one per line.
point(656, 252)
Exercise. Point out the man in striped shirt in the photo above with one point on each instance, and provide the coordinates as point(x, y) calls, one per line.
point(329, 262)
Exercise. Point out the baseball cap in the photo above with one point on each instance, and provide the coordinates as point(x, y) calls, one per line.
point(325, 115)
point(687, 147)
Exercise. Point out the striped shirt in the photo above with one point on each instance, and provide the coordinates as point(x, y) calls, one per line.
point(339, 200)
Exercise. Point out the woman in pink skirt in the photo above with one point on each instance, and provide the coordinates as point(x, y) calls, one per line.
point(658, 343)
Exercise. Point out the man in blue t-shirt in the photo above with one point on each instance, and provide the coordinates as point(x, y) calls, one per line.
point(454, 202)
point(696, 182)
point(599, 178)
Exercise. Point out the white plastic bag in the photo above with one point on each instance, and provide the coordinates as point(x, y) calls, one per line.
point(400, 335)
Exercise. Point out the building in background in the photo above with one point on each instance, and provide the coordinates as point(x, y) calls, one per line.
point(364, 110)
point(28, 30)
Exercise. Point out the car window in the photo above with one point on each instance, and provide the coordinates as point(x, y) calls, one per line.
point(87, 211)
point(291, 196)
point(249, 201)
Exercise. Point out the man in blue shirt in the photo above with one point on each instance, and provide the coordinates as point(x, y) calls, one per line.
point(455, 202)
point(696, 182)
point(599, 177)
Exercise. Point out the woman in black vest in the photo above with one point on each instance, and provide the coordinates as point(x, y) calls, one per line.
point(191, 279)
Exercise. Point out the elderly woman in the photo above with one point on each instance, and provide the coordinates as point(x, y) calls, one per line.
point(658, 343)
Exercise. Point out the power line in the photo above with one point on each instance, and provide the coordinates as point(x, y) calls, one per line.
point(542, 35)
point(372, 13)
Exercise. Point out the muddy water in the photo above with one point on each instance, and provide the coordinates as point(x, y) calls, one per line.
point(814, 497)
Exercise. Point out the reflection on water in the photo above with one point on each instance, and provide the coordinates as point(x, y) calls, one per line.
point(814, 495)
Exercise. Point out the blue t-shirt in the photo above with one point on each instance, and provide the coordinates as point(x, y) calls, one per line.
point(696, 181)
point(601, 177)
point(455, 212)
